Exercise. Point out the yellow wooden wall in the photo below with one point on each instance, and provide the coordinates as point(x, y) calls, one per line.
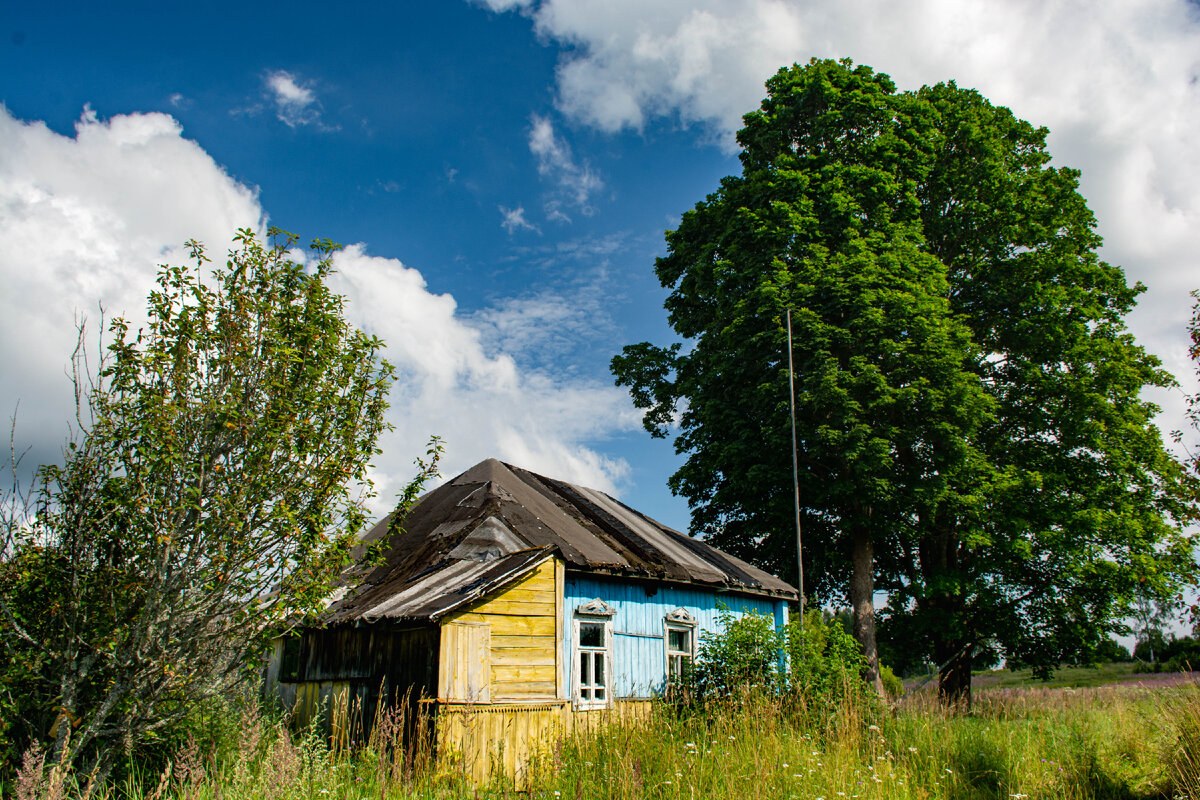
point(482, 742)
point(524, 647)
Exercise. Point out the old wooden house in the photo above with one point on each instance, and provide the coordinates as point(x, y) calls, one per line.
point(507, 605)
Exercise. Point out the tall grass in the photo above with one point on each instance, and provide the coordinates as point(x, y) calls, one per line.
point(1119, 742)
point(1124, 743)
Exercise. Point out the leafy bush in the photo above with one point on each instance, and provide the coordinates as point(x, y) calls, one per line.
point(745, 653)
point(814, 668)
point(891, 682)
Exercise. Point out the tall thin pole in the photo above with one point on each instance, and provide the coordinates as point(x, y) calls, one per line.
point(795, 465)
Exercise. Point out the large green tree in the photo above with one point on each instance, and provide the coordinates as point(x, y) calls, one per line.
point(984, 433)
point(213, 491)
point(821, 223)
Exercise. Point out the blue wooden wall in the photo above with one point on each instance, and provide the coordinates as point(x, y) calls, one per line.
point(639, 662)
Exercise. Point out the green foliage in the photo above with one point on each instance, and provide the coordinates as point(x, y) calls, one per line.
point(971, 429)
point(825, 669)
point(815, 669)
point(1111, 651)
point(744, 653)
point(892, 683)
point(213, 491)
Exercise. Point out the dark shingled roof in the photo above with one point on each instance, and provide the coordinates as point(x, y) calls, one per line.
point(496, 521)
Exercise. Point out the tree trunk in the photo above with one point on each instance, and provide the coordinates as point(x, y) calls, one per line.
point(941, 571)
point(862, 601)
point(954, 676)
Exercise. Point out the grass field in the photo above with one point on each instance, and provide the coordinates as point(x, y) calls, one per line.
point(1066, 677)
point(1124, 742)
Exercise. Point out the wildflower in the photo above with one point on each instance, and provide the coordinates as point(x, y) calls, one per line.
point(912, 749)
point(873, 727)
point(785, 766)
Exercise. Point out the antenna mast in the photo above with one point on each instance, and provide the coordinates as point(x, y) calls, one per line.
point(795, 465)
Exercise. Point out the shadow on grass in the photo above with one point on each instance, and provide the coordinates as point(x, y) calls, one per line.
point(986, 773)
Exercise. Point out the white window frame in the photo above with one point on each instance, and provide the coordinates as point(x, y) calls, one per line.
point(678, 620)
point(596, 612)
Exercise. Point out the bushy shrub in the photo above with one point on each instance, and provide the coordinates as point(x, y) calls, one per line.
point(813, 669)
point(746, 652)
point(892, 684)
point(825, 668)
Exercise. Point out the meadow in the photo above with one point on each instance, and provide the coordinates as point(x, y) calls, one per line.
point(1126, 742)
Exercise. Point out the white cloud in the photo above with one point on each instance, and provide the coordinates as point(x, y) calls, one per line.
point(576, 182)
point(295, 103)
point(85, 219)
point(1117, 83)
point(514, 220)
point(505, 5)
point(474, 388)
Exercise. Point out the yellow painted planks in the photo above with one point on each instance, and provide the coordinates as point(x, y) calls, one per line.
point(506, 673)
point(465, 656)
point(504, 606)
point(560, 573)
point(512, 626)
point(523, 656)
point(528, 596)
point(525, 691)
point(500, 741)
point(523, 642)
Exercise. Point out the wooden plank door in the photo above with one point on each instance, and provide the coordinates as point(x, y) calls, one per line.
point(465, 663)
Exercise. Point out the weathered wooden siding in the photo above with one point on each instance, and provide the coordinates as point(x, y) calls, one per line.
point(638, 659)
point(341, 676)
point(522, 621)
point(483, 741)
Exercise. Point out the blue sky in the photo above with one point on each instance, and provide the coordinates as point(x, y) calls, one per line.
point(503, 172)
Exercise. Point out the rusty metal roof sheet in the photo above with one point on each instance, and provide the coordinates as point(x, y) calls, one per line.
point(495, 521)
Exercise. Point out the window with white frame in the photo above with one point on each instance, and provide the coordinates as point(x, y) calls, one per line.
point(679, 637)
point(593, 655)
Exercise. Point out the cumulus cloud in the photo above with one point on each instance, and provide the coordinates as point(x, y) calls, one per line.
point(575, 182)
point(85, 220)
point(1117, 83)
point(295, 103)
point(514, 220)
point(471, 384)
